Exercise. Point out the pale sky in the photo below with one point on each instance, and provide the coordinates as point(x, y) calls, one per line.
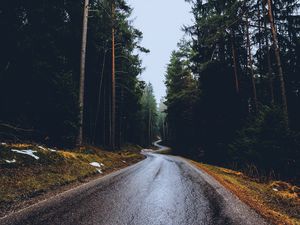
point(161, 22)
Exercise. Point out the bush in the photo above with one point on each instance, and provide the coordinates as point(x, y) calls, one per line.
point(267, 142)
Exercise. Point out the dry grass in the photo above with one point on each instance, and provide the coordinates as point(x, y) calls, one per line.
point(277, 201)
point(27, 177)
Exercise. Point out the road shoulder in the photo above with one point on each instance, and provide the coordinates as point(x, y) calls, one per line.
point(276, 206)
point(28, 180)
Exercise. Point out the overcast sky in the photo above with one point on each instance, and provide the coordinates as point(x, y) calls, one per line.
point(161, 22)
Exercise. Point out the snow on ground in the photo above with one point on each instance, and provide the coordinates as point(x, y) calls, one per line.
point(47, 149)
point(11, 161)
point(98, 166)
point(3, 144)
point(27, 152)
point(99, 171)
point(43, 148)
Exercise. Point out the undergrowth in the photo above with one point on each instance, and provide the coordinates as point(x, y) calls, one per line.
point(23, 177)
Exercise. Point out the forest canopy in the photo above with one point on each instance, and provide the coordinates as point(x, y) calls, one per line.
point(40, 47)
point(233, 85)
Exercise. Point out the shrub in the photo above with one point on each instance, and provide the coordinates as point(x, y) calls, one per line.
point(267, 142)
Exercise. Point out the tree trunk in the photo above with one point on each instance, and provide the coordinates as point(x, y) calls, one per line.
point(250, 64)
point(110, 117)
point(120, 142)
point(259, 43)
point(99, 96)
point(278, 60)
point(234, 64)
point(149, 127)
point(270, 76)
point(104, 116)
point(113, 83)
point(82, 70)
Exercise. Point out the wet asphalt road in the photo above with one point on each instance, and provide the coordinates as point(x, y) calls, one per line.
point(161, 189)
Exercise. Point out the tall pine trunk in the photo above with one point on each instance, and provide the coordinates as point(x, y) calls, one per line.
point(259, 57)
point(234, 63)
point(270, 75)
point(250, 64)
point(113, 83)
point(104, 117)
point(82, 70)
point(278, 61)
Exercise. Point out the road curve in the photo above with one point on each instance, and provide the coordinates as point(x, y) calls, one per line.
point(161, 190)
point(160, 147)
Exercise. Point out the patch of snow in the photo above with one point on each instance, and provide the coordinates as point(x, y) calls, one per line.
point(11, 161)
point(47, 149)
point(41, 147)
point(96, 164)
point(99, 171)
point(275, 189)
point(3, 144)
point(123, 161)
point(27, 152)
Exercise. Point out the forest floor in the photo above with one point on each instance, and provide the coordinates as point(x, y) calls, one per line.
point(277, 201)
point(30, 173)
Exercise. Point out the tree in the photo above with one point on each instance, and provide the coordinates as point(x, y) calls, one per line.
point(82, 69)
point(148, 116)
point(41, 47)
point(233, 49)
point(278, 60)
point(181, 96)
point(162, 123)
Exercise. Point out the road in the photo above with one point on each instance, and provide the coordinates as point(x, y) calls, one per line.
point(160, 190)
point(161, 147)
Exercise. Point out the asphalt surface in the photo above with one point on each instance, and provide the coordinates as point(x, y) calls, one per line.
point(162, 189)
point(161, 147)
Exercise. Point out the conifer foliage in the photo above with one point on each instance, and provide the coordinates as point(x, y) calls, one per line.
point(243, 98)
point(39, 72)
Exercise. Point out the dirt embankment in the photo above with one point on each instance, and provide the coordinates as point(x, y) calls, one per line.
point(277, 201)
point(30, 173)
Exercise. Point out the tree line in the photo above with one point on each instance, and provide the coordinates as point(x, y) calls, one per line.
point(41, 44)
point(233, 85)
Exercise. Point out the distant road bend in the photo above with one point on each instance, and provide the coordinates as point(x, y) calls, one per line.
point(161, 190)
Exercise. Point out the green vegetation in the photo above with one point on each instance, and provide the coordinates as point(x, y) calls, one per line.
point(39, 73)
point(182, 94)
point(148, 116)
point(232, 95)
point(27, 177)
point(266, 141)
point(39, 93)
point(233, 87)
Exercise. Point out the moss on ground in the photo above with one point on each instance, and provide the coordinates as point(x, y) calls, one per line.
point(277, 201)
point(27, 177)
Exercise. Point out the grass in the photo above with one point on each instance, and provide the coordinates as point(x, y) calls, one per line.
point(28, 177)
point(277, 201)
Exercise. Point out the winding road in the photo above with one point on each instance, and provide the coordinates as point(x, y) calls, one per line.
point(160, 190)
